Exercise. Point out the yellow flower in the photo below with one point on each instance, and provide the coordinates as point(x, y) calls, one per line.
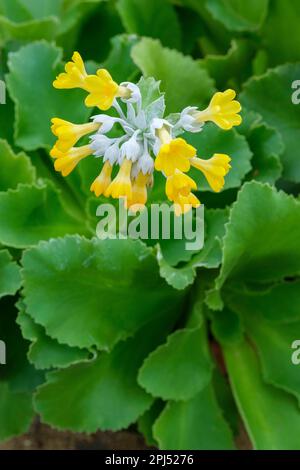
point(74, 75)
point(66, 162)
point(213, 169)
point(222, 110)
point(102, 89)
point(178, 190)
point(68, 134)
point(174, 155)
point(101, 183)
point(139, 191)
point(121, 186)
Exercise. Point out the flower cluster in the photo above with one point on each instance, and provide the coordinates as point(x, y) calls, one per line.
point(146, 141)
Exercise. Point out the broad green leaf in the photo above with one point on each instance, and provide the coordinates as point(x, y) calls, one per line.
point(16, 412)
point(184, 80)
point(271, 96)
point(274, 345)
point(30, 30)
point(155, 18)
point(45, 352)
point(261, 243)
point(271, 416)
point(119, 61)
point(107, 395)
point(180, 368)
point(267, 147)
point(271, 305)
point(210, 256)
point(238, 15)
point(7, 118)
point(15, 168)
point(214, 140)
point(32, 71)
point(279, 32)
point(10, 278)
point(34, 213)
point(90, 292)
point(233, 68)
point(195, 424)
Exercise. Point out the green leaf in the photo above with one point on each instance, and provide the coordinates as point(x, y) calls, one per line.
point(45, 352)
point(233, 68)
point(270, 305)
point(282, 22)
point(180, 368)
point(210, 256)
point(10, 278)
point(274, 345)
point(90, 292)
point(107, 395)
point(156, 19)
point(267, 146)
point(15, 168)
point(238, 15)
point(195, 424)
point(214, 140)
point(284, 116)
point(262, 240)
point(119, 61)
point(271, 416)
point(16, 412)
point(34, 213)
point(184, 80)
point(32, 71)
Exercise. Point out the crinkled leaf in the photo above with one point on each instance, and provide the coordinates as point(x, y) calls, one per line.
point(16, 412)
point(239, 15)
point(107, 395)
point(271, 97)
point(15, 168)
point(262, 239)
point(155, 18)
point(45, 352)
point(34, 213)
point(90, 292)
point(195, 424)
point(10, 278)
point(184, 80)
point(278, 304)
point(180, 368)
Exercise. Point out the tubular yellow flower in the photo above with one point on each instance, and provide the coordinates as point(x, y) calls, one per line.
point(74, 75)
point(213, 169)
point(139, 191)
point(66, 162)
point(102, 89)
point(174, 155)
point(222, 110)
point(101, 183)
point(68, 133)
point(178, 190)
point(121, 186)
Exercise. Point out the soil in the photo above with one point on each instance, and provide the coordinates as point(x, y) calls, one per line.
point(42, 437)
